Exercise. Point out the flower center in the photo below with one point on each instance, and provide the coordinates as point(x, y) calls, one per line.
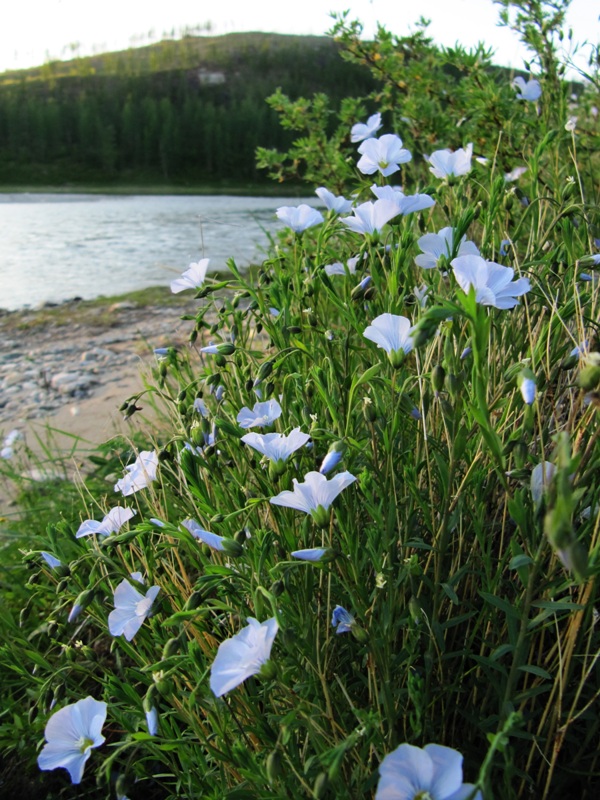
point(423, 796)
point(84, 744)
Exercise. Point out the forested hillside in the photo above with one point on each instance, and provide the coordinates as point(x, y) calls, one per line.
point(179, 112)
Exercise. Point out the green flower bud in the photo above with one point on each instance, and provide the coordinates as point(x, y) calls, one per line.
point(320, 785)
point(268, 670)
point(438, 376)
point(170, 648)
point(321, 516)
point(274, 767)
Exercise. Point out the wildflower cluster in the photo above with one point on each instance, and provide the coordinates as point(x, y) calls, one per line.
point(368, 532)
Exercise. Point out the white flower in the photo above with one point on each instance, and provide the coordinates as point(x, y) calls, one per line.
point(530, 91)
point(363, 130)
point(315, 495)
point(299, 218)
point(514, 174)
point(433, 772)
point(152, 721)
point(420, 293)
point(242, 656)
point(139, 474)
point(446, 164)
point(383, 154)
point(111, 523)
point(571, 124)
point(276, 446)
point(339, 205)
point(192, 278)
point(70, 734)
point(262, 414)
point(131, 609)
point(392, 333)
point(7, 450)
point(493, 283)
point(441, 244)
point(370, 217)
point(526, 383)
point(407, 204)
point(541, 475)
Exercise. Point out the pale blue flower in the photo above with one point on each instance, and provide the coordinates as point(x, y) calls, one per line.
point(299, 218)
point(407, 203)
point(139, 474)
point(446, 164)
point(315, 495)
point(383, 155)
point(369, 217)
point(526, 383)
point(332, 459)
point(74, 612)
point(541, 477)
point(420, 293)
point(581, 349)
point(200, 407)
point(504, 245)
point(11, 438)
point(276, 446)
point(262, 415)
point(71, 733)
point(339, 205)
point(493, 283)
point(242, 656)
point(211, 539)
point(363, 130)
point(51, 560)
point(393, 333)
point(311, 554)
point(152, 721)
point(530, 91)
point(433, 772)
point(514, 174)
point(192, 278)
point(158, 522)
point(131, 609)
point(436, 246)
point(112, 523)
point(338, 268)
point(342, 620)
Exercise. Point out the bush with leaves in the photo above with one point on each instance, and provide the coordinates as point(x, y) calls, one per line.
point(422, 572)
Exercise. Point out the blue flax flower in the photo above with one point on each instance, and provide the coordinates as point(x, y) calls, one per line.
point(70, 735)
point(342, 620)
point(242, 656)
point(433, 772)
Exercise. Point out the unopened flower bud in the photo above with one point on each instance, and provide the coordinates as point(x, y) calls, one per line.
point(438, 376)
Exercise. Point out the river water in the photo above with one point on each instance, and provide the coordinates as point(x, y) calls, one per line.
point(56, 247)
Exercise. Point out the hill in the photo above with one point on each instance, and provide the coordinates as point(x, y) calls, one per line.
point(183, 112)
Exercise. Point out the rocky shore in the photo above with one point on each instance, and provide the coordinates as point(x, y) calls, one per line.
point(48, 362)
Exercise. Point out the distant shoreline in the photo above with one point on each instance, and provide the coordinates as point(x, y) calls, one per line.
point(241, 190)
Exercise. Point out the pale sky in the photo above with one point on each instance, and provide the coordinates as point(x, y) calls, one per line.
point(34, 30)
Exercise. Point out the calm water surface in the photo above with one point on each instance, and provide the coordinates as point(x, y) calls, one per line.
point(56, 247)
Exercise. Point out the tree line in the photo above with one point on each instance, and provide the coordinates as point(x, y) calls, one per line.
point(170, 115)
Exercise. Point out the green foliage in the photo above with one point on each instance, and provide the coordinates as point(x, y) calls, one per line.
point(466, 549)
point(195, 113)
